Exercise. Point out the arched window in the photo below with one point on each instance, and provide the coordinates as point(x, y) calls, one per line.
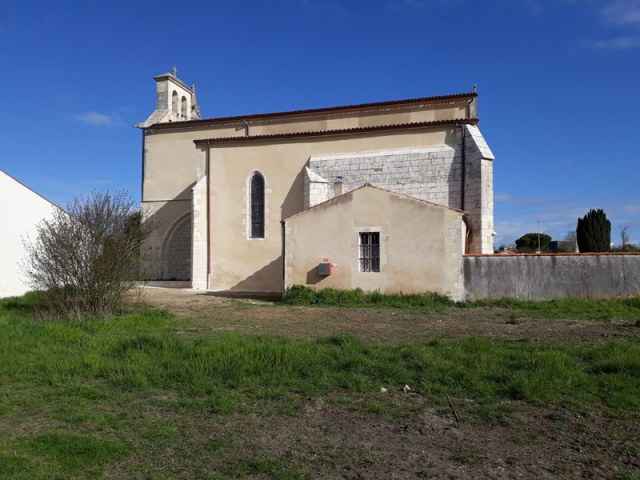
point(257, 206)
point(183, 107)
point(174, 102)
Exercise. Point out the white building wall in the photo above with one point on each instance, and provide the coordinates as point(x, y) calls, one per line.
point(21, 209)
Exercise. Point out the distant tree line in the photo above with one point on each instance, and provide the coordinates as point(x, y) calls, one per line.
point(592, 234)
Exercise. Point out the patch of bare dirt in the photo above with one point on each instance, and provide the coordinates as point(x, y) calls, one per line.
point(326, 438)
point(336, 442)
point(329, 439)
point(211, 313)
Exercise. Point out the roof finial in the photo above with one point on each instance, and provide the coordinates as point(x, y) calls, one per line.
point(175, 71)
point(475, 88)
point(193, 87)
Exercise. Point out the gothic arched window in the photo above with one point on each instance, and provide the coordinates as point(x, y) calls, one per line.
point(183, 107)
point(257, 206)
point(174, 102)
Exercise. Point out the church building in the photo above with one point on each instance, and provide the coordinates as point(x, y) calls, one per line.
point(384, 196)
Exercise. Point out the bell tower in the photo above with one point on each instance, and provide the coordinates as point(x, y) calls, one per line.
point(175, 101)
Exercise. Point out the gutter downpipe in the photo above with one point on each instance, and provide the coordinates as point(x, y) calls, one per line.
point(284, 258)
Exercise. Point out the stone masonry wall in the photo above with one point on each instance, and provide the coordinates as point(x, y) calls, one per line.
point(178, 251)
point(431, 173)
point(199, 235)
point(316, 189)
point(478, 202)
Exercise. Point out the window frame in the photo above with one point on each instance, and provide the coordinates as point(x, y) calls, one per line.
point(369, 251)
point(257, 207)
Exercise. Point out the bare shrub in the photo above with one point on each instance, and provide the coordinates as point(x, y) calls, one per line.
point(86, 259)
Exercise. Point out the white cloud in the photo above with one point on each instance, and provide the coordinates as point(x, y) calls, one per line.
point(96, 119)
point(622, 12)
point(503, 197)
point(616, 43)
point(623, 17)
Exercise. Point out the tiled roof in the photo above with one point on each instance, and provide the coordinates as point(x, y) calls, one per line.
point(313, 111)
point(341, 131)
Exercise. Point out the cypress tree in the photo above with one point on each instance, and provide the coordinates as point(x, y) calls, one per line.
point(594, 232)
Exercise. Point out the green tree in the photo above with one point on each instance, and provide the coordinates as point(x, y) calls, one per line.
point(529, 242)
point(594, 232)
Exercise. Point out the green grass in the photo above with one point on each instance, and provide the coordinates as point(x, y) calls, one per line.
point(88, 395)
point(598, 309)
point(299, 295)
point(137, 353)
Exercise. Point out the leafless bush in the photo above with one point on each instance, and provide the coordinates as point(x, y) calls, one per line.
point(86, 259)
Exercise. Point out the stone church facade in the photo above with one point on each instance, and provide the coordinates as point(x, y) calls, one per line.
point(241, 202)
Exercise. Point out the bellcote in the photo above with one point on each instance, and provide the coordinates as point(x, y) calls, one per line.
point(175, 101)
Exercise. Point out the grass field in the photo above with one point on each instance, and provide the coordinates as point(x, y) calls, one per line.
point(133, 397)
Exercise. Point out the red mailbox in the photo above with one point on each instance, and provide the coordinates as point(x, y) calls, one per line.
point(325, 269)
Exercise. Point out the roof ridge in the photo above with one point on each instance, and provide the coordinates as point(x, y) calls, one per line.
point(368, 184)
point(311, 111)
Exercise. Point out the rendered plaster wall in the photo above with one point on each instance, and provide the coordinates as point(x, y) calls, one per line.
point(548, 277)
point(21, 209)
point(416, 256)
point(245, 264)
point(171, 166)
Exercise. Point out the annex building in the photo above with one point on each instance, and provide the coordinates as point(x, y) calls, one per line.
point(383, 196)
point(21, 210)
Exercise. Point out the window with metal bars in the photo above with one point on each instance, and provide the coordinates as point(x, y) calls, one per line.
point(369, 251)
point(257, 206)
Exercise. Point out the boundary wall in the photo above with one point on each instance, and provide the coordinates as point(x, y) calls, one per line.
point(551, 276)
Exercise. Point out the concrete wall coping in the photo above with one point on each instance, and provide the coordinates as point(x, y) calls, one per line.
point(560, 254)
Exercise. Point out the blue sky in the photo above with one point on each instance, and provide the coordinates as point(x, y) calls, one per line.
point(558, 82)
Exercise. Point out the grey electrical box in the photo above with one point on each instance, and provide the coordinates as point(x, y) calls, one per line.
point(324, 269)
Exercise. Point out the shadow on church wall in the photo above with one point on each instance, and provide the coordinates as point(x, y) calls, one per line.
point(294, 200)
point(313, 277)
point(263, 279)
point(165, 218)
